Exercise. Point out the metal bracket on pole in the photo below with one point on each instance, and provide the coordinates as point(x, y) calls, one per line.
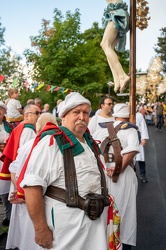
point(123, 94)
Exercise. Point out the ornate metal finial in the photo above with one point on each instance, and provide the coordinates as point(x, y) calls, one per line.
point(142, 14)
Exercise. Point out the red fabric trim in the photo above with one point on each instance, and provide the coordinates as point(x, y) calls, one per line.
point(10, 151)
point(49, 126)
point(5, 175)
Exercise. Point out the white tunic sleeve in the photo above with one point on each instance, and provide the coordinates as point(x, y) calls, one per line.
point(45, 165)
point(26, 135)
point(129, 140)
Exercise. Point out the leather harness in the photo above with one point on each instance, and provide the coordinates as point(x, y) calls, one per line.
point(70, 195)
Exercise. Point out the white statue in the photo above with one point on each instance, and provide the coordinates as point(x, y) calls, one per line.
point(117, 25)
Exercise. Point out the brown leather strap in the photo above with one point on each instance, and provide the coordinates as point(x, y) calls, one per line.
point(70, 177)
point(105, 148)
point(117, 151)
point(113, 140)
point(60, 195)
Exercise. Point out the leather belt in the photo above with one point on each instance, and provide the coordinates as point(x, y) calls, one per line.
point(60, 195)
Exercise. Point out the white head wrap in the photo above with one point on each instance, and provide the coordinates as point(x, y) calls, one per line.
point(121, 110)
point(71, 101)
point(3, 105)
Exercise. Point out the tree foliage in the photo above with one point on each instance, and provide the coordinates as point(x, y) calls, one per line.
point(10, 67)
point(160, 47)
point(2, 30)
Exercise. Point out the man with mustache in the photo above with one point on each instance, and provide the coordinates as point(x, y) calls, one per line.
point(63, 194)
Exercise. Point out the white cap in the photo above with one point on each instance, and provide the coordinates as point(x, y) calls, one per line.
point(121, 110)
point(3, 105)
point(71, 101)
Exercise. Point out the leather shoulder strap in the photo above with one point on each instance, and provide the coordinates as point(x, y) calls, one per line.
point(113, 140)
point(70, 177)
point(117, 151)
point(72, 195)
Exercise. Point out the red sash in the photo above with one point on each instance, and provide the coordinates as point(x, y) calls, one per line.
point(49, 126)
point(10, 151)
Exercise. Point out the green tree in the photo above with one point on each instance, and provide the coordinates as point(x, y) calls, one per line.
point(160, 47)
point(2, 30)
point(10, 67)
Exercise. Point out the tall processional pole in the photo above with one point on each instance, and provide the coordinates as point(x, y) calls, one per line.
point(139, 16)
point(132, 98)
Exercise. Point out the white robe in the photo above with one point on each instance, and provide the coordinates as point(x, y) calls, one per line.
point(21, 230)
point(72, 229)
point(26, 135)
point(95, 130)
point(125, 190)
point(141, 124)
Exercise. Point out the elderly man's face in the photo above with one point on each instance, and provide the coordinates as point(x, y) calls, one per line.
point(76, 120)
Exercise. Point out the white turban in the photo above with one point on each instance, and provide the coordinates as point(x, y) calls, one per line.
point(71, 101)
point(2, 105)
point(121, 110)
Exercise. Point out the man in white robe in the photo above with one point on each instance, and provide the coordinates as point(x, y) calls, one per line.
point(56, 225)
point(20, 222)
point(140, 158)
point(18, 137)
point(125, 190)
point(104, 115)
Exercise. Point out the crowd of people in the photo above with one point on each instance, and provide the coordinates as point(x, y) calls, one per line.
point(154, 113)
point(66, 176)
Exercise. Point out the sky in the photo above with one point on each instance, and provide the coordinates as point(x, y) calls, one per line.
point(22, 19)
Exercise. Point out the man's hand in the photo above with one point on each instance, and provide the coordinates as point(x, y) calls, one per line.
point(143, 142)
point(110, 171)
point(44, 237)
point(14, 200)
point(2, 146)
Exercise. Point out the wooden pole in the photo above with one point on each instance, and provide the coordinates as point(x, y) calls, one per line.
point(132, 60)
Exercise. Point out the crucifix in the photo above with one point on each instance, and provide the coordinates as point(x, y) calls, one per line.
point(118, 23)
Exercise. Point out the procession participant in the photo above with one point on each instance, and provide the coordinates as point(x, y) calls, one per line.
point(105, 115)
point(140, 158)
point(20, 134)
point(17, 233)
point(122, 180)
point(58, 225)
